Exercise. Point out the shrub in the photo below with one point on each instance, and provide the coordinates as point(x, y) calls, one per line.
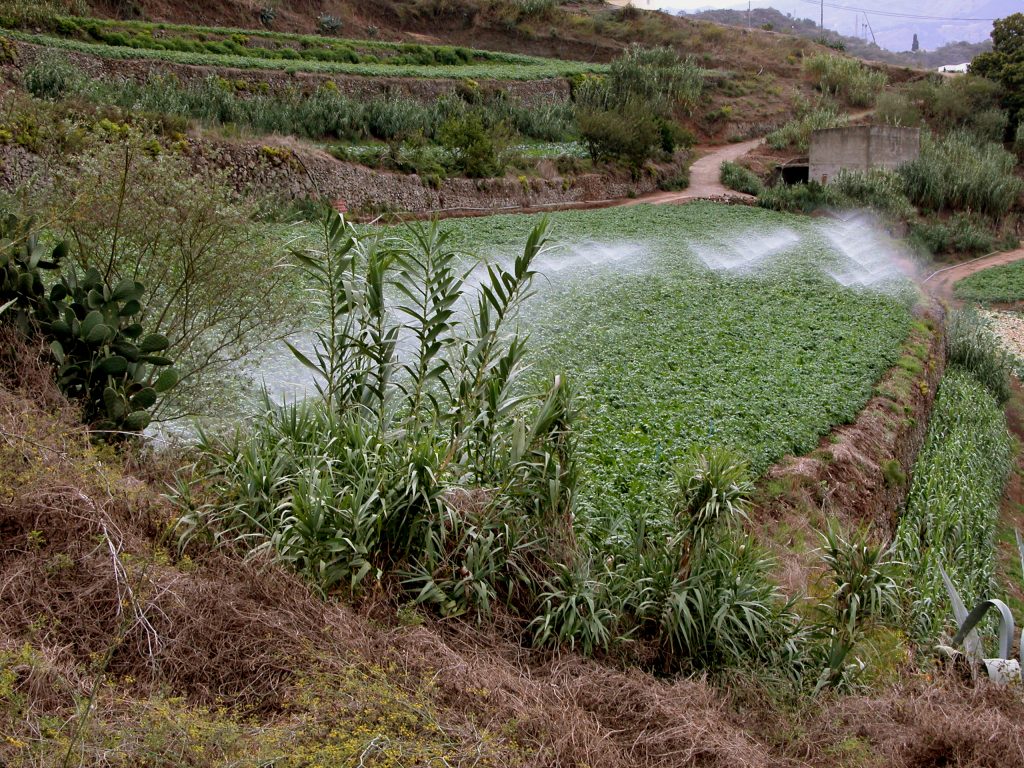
point(847, 79)
point(104, 359)
point(879, 189)
point(735, 176)
point(432, 465)
point(476, 151)
point(860, 580)
point(51, 77)
point(612, 135)
point(897, 109)
point(328, 24)
point(958, 173)
point(799, 198)
point(136, 216)
point(959, 234)
point(627, 116)
point(797, 132)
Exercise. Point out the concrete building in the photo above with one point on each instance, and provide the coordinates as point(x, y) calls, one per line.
point(860, 148)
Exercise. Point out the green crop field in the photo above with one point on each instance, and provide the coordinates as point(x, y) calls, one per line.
point(668, 353)
point(1004, 283)
point(256, 49)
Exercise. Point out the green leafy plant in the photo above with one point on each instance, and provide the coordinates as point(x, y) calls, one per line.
point(105, 360)
point(861, 583)
point(954, 502)
point(741, 179)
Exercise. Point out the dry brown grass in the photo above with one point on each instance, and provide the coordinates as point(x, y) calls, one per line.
point(179, 652)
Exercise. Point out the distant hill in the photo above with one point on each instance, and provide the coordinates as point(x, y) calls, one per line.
point(947, 21)
point(770, 18)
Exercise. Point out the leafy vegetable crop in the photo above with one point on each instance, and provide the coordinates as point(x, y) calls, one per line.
point(296, 53)
point(1004, 283)
point(669, 354)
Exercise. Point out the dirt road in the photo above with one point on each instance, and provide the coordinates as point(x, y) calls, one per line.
point(704, 181)
point(940, 284)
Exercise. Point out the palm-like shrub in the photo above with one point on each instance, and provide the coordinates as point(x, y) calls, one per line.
point(432, 464)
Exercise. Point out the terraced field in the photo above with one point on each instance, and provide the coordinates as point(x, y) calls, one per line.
point(256, 49)
point(705, 324)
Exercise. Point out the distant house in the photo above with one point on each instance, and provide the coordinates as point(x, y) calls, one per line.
point(960, 69)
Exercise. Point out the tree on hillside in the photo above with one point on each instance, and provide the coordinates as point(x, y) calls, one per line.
point(632, 112)
point(1005, 64)
point(915, 46)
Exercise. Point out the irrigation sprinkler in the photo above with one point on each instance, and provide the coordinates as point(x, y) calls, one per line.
point(1001, 669)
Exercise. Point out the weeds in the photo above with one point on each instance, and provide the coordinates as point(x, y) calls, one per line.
point(959, 173)
point(741, 179)
point(845, 78)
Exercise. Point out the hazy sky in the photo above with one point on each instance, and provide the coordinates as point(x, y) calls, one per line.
point(937, 21)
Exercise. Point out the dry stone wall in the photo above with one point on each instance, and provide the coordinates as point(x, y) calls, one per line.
point(296, 173)
point(423, 89)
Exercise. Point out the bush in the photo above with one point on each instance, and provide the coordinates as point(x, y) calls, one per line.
point(951, 103)
point(848, 79)
point(735, 176)
point(959, 234)
point(612, 135)
point(879, 189)
point(51, 77)
point(432, 465)
point(799, 198)
point(104, 359)
point(896, 109)
point(630, 114)
point(136, 216)
point(957, 173)
point(797, 132)
point(476, 151)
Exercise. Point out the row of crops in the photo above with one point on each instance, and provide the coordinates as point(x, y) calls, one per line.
point(953, 507)
point(256, 49)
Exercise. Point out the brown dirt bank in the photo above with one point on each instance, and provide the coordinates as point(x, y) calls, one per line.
point(860, 473)
point(211, 660)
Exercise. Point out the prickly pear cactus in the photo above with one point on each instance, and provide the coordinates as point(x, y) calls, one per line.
point(23, 260)
point(104, 358)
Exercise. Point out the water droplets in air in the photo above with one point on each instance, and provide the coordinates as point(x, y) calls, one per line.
point(746, 250)
point(870, 257)
point(858, 252)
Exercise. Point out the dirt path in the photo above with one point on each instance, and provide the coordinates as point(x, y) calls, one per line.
point(704, 181)
point(940, 284)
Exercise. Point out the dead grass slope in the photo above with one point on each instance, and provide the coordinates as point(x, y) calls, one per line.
point(211, 660)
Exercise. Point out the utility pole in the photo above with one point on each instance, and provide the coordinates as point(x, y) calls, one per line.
point(821, 22)
point(868, 22)
point(748, 13)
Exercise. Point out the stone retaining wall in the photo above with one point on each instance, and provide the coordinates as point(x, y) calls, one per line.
point(530, 92)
